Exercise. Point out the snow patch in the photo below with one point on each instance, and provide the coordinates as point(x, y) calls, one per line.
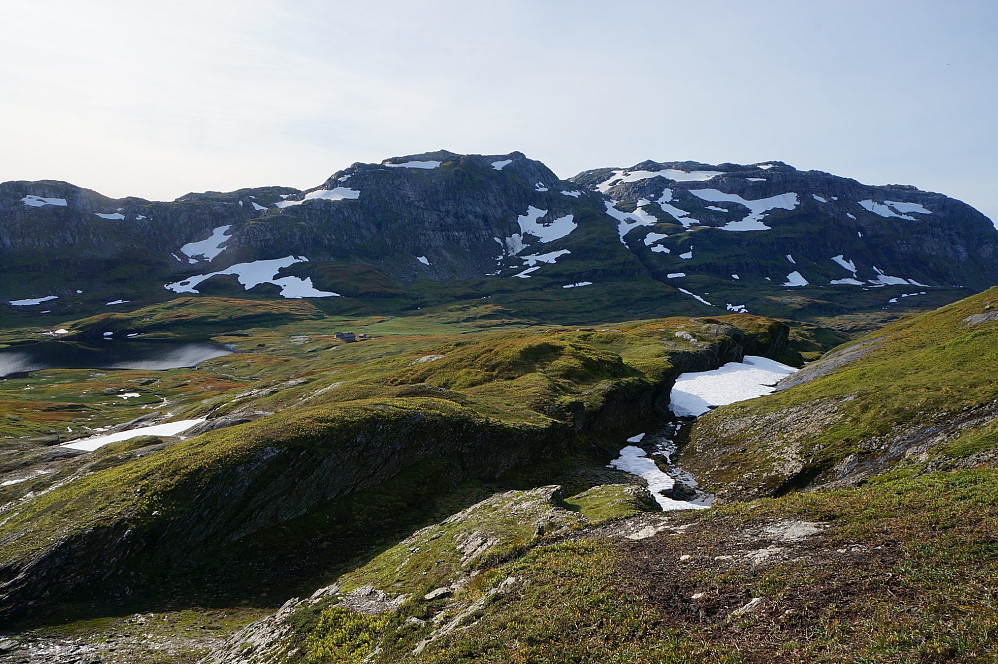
point(423, 260)
point(695, 296)
point(659, 249)
point(623, 175)
point(257, 206)
point(819, 198)
point(884, 279)
point(574, 193)
point(114, 302)
point(635, 461)
point(337, 194)
point(501, 164)
point(675, 275)
point(209, 247)
point(849, 265)
point(114, 216)
point(757, 208)
point(40, 201)
point(628, 221)
point(428, 165)
point(256, 273)
point(168, 429)
point(846, 282)
point(550, 257)
point(682, 216)
point(737, 308)
point(31, 301)
point(696, 393)
point(653, 237)
point(688, 255)
point(894, 209)
point(795, 279)
point(791, 259)
point(905, 208)
point(578, 284)
point(553, 230)
point(540, 186)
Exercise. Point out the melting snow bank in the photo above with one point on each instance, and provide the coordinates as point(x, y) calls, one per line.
point(696, 393)
point(168, 429)
point(693, 395)
point(635, 460)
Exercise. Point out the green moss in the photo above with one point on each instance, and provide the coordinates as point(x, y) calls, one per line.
point(972, 441)
point(343, 636)
point(610, 501)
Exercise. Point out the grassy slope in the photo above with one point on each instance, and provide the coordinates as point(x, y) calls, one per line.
point(534, 385)
point(903, 572)
point(902, 568)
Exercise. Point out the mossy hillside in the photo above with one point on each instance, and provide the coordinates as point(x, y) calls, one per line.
point(900, 570)
point(542, 386)
point(57, 405)
point(925, 384)
point(275, 342)
point(291, 364)
point(194, 318)
point(449, 558)
point(170, 482)
point(510, 357)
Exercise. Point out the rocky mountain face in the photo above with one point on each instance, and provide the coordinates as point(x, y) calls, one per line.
point(831, 230)
point(672, 237)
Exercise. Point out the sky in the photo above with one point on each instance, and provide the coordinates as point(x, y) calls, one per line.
point(159, 99)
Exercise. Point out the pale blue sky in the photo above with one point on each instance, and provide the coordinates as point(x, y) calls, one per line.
point(155, 100)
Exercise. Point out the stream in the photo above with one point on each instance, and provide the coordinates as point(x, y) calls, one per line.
point(693, 395)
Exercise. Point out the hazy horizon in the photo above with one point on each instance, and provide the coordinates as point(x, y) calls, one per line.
point(158, 101)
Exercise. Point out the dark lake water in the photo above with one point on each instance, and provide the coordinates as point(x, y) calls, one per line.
point(107, 355)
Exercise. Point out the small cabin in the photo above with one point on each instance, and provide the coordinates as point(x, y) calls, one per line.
point(345, 336)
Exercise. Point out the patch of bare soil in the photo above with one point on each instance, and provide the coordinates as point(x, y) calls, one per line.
point(756, 588)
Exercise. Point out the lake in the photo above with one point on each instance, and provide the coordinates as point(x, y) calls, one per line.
point(154, 355)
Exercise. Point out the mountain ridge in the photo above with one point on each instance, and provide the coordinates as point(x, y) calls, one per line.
point(763, 237)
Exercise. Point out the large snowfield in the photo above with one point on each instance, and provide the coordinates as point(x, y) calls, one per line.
point(696, 393)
